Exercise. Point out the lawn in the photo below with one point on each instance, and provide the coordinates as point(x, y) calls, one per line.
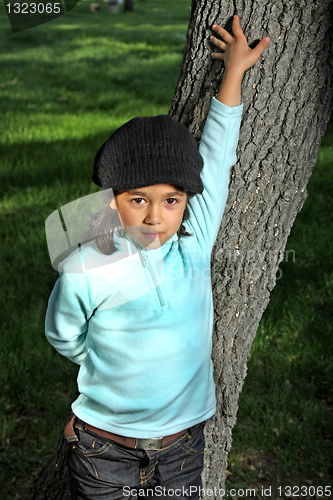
point(64, 87)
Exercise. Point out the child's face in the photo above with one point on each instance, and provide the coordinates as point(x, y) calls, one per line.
point(150, 212)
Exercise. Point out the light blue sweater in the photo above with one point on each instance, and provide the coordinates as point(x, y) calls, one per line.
point(145, 357)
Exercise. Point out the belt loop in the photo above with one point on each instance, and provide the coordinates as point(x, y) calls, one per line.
point(79, 424)
point(192, 431)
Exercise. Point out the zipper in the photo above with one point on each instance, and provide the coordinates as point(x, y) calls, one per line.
point(149, 268)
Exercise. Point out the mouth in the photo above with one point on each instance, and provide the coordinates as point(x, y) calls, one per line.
point(151, 235)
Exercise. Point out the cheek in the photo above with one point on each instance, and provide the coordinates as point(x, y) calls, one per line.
point(128, 217)
point(177, 218)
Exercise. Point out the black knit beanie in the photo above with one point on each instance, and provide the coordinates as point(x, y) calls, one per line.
point(147, 151)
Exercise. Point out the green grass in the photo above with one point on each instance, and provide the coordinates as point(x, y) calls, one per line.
point(65, 86)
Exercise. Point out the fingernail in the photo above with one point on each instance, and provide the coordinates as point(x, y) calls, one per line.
point(267, 39)
point(214, 26)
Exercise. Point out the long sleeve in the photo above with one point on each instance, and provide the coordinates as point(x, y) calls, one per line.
point(66, 322)
point(218, 148)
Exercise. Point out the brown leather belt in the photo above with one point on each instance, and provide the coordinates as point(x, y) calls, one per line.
point(129, 442)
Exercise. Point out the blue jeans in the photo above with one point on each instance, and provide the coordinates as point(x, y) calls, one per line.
point(101, 469)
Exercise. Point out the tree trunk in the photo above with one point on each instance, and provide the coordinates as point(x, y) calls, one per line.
point(128, 6)
point(287, 101)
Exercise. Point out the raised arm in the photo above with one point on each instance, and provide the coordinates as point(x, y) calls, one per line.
point(220, 136)
point(237, 57)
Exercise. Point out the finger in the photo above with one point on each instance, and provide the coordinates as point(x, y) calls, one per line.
point(219, 43)
point(218, 55)
point(236, 27)
point(223, 33)
point(259, 49)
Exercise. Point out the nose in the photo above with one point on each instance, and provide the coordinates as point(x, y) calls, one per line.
point(153, 216)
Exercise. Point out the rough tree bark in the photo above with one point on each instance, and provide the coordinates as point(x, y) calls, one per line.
point(287, 102)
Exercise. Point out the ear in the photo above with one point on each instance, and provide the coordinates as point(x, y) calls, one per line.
point(113, 204)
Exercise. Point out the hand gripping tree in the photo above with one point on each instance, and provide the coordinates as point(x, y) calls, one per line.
point(287, 99)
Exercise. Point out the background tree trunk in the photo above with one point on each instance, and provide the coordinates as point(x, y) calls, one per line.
point(128, 6)
point(287, 101)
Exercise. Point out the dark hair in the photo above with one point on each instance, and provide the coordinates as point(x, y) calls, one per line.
point(101, 221)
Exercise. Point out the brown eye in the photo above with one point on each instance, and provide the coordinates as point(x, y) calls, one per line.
point(171, 201)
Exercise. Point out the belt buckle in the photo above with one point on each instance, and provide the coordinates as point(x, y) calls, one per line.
point(148, 444)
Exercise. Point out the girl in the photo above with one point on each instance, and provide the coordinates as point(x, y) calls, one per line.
point(142, 333)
